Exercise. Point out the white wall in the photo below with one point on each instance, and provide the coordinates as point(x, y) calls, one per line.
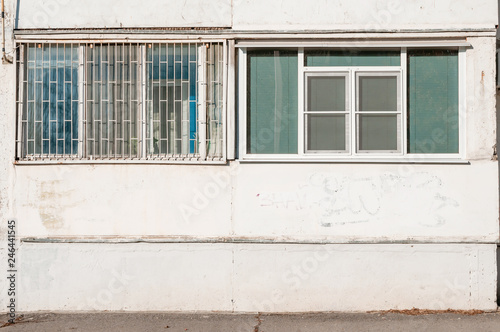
point(119, 14)
point(371, 206)
point(334, 202)
point(256, 14)
point(256, 278)
point(363, 14)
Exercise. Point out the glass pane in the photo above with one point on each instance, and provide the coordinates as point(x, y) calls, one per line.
point(433, 101)
point(378, 132)
point(272, 122)
point(111, 92)
point(352, 58)
point(173, 76)
point(325, 94)
point(378, 93)
point(50, 117)
point(326, 132)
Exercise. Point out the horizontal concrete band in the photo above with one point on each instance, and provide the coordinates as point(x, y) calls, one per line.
point(238, 240)
point(255, 277)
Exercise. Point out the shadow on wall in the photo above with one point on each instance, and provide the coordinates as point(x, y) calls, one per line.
point(498, 276)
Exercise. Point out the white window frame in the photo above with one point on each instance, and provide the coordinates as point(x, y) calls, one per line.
point(378, 157)
point(81, 158)
point(374, 73)
point(348, 110)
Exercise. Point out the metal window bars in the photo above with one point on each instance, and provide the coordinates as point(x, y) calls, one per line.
point(113, 101)
point(112, 89)
point(48, 97)
point(184, 100)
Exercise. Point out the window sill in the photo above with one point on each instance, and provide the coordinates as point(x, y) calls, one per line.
point(118, 162)
point(374, 160)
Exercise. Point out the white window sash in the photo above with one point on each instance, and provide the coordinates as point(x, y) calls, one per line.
point(400, 156)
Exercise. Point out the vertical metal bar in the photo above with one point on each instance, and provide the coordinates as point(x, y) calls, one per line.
point(126, 86)
point(99, 100)
point(20, 150)
point(126, 121)
point(178, 143)
point(119, 124)
point(42, 101)
point(50, 152)
point(202, 102)
point(81, 103)
point(174, 120)
point(65, 153)
point(90, 84)
point(114, 117)
point(161, 118)
point(142, 135)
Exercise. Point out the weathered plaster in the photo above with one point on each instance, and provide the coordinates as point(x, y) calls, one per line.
point(427, 206)
point(256, 278)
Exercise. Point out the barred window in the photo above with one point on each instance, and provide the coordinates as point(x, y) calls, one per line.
point(131, 101)
point(50, 98)
point(173, 99)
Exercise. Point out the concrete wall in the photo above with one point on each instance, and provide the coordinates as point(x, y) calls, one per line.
point(316, 202)
point(360, 236)
point(255, 14)
point(255, 278)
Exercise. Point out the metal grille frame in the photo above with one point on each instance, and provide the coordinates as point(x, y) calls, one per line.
point(112, 115)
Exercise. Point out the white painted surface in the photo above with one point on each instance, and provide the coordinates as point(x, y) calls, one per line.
point(336, 202)
point(118, 14)
point(256, 14)
point(122, 200)
point(251, 278)
point(288, 202)
point(368, 202)
point(124, 277)
point(364, 15)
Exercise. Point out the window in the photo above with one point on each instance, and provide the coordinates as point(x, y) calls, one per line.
point(433, 101)
point(356, 103)
point(50, 118)
point(272, 102)
point(112, 101)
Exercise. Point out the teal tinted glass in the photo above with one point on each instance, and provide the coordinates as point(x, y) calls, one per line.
point(315, 58)
point(272, 103)
point(433, 101)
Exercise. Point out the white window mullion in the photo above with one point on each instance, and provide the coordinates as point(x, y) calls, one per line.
point(354, 108)
point(462, 101)
point(404, 126)
point(300, 98)
point(230, 136)
point(398, 113)
point(242, 101)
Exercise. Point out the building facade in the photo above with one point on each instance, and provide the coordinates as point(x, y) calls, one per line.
point(250, 156)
